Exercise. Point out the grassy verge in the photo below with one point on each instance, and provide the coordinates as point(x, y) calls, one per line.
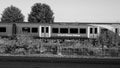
point(28, 46)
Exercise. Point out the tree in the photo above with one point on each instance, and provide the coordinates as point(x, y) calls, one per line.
point(12, 14)
point(109, 38)
point(41, 13)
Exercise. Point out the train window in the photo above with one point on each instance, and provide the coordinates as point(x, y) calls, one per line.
point(74, 30)
point(95, 30)
point(82, 30)
point(55, 30)
point(26, 29)
point(91, 30)
point(42, 29)
point(116, 30)
point(2, 29)
point(34, 30)
point(63, 30)
point(47, 29)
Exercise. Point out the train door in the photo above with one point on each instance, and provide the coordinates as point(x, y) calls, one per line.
point(14, 29)
point(44, 31)
point(93, 32)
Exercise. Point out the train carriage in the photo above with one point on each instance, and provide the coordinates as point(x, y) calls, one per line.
point(57, 30)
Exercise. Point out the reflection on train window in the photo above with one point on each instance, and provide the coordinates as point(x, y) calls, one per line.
point(82, 30)
point(91, 30)
point(95, 30)
point(74, 30)
point(55, 30)
point(47, 29)
point(63, 30)
point(26, 29)
point(34, 30)
point(2, 29)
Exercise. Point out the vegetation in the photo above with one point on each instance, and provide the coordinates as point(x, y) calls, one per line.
point(109, 39)
point(24, 45)
point(12, 14)
point(41, 13)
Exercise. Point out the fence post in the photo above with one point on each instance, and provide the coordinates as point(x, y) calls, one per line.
point(59, 50)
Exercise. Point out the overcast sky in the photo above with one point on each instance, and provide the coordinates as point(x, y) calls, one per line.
point(72, 10)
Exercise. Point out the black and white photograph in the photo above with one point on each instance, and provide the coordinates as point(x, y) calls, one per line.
point(59, 33)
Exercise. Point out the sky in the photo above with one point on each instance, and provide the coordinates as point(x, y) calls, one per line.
point(72, 10)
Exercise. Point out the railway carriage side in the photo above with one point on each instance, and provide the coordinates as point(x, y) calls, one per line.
point(35, 30)
point(6, 29)
point(59, 30)
point(68, 31)
point(74, 31)
point(27, 29)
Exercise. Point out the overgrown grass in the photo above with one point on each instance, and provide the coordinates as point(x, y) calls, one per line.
point(24, 45)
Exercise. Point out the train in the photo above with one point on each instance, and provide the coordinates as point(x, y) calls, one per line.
point(57, 29)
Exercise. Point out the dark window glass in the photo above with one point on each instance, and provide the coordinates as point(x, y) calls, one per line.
point(91, 30)
point(116, 30)
point(42, 29)
point(47, 29)
point(54, 30)
point(95, 30)
point(26, 29)
point(34, 30)
point(63, 30)
point(2, 29)
point(74, 30)
point(82, 30)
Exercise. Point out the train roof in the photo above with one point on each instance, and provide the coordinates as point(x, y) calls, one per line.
point(88, 22)
point(63, 23)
